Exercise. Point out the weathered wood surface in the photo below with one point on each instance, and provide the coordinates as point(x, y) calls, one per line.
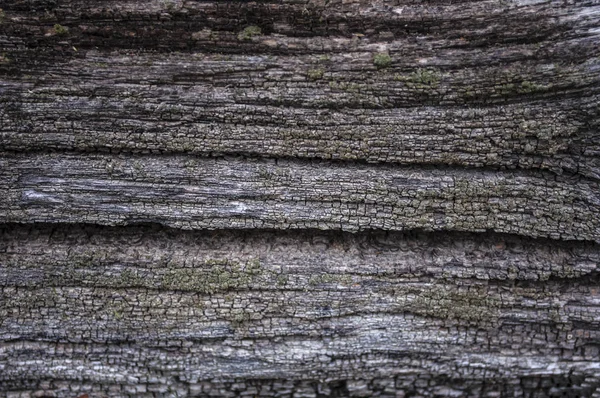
point(474, 84)
point(190, 192)
point(191, 206)
point(429, 312)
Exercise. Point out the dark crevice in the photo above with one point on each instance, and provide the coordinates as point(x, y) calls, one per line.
point(11, 230)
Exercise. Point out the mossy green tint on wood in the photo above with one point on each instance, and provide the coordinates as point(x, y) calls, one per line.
point(249, 32)
point(382, 60)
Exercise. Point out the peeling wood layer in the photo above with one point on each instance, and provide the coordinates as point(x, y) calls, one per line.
point(194, 193)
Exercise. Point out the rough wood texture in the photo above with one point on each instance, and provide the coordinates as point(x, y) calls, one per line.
point(299, 198)
point(187, 192)
point(152, 308)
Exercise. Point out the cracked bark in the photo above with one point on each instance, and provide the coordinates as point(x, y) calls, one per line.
point(192, 208)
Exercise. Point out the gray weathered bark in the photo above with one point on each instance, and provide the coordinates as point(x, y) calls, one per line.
point(300, 198)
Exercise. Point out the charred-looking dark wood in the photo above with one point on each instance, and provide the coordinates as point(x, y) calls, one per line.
point(299, 198)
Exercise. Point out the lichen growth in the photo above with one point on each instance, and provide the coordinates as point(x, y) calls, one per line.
point(421, 77)
point(470, 94)
point(223, 275)
point(507, 89)
point(326, 278)
point(265, 173)
point(253, 266)
point(382, 60)
point(169, 5)
point(282, 280)
point(129, 278)
point(474, 305)
point(204, 34)
point(528, 87)
point(345, 86)
point(315, 74)
point(249, 32)
point(239, 318)
point(60, 30)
